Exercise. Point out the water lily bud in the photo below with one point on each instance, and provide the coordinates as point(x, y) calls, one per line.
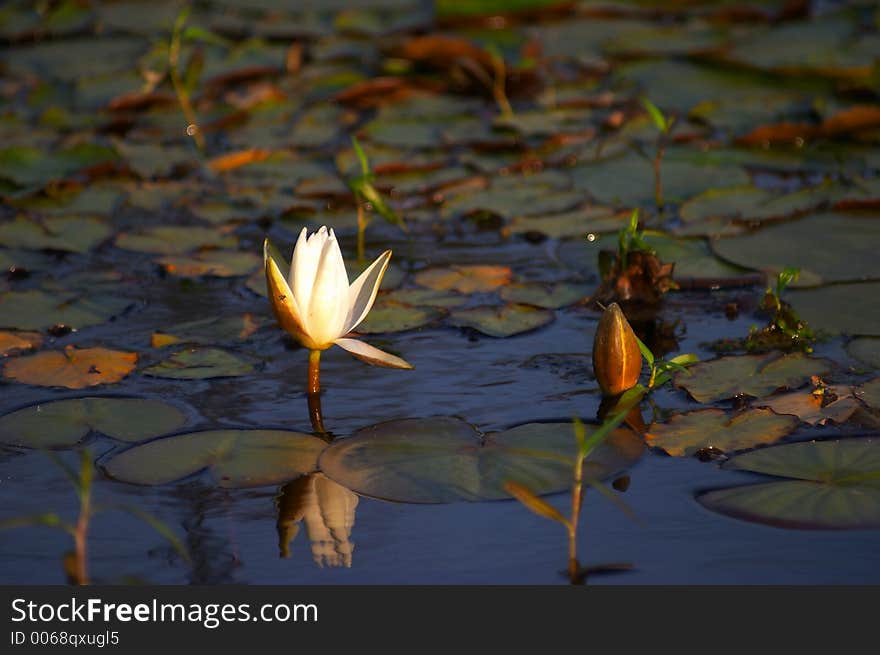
point(617, 360)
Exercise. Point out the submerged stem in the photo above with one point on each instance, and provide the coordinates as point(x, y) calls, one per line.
point(314, 380)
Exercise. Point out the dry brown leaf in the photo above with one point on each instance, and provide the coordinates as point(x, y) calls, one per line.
point(465, 279)
point(74, 368)
point(374, 92)
point(444, 52)
point(12, 343)
point(779, 133)
point(233, 160)
point(852, 119)
point(817, 406)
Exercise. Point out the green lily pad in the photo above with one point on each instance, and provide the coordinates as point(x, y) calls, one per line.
point(68, 234)
point(684, 86)
point(833, 486)
point(29, 166)
point(38, 310)
point(390, 316)
point(833, 247)
point(670, 40)
point(517, 195)
point(865, 350)
point(575, 223)
point(212, 263)
point(69, 59)
point(684, 434)
point(24, 259)
point(175, 240)
point(64, 423)
point(234, 458)
point(150, 160)
point(826, 45)
point(502, 321)
point(529, 199)
point(695, 265)
point(750, 203)
point(424, 297)
point(548, 296)
point(629, 180)
point(200, 364)
point(94, 200)
point(445, 460)
point(852, 309)
point(870, 393)
point(750, 375)
point(212, 330)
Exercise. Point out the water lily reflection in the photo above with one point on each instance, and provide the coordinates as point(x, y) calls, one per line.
point(327, 509)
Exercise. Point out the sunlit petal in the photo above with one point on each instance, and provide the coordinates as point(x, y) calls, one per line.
point(328, 306)
point(362, 292)
point(303, 266)
point(282, 300)
point(371, 355)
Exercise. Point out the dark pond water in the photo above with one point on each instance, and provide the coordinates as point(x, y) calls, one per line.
point(453, 168)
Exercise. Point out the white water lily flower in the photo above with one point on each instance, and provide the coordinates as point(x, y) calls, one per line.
point(316, 304)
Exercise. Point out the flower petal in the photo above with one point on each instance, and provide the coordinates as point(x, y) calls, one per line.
point(328, 305)
point(371, 355)
point(304, 266)
point(282, 300)
point(362, 292)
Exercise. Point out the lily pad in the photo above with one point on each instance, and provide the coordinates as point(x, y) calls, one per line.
point(28, 166)
point(24, 260)
point(211, 263)
point(38, 310)
point(424, 297)
point(751, 203)
point(465, 279)
point(200, 364)
point(390, 316)
point(629, 180)
point(234, 458)
point(852, 309)
point(833, 486)
point(67, 234)
point(64, 423)
point(175, 240)
point(74, 368)
point(750, 375)
point(815, 406)
point(548, 296)
point(826, 45)
point(832, 247)
point(574, 223)
point(13, 343)
point(525, 200)
point(695, 265)
point(866, 350)
point(208, 330)
point(684, 434)
point(870, 393)
point(445, 460)
point(502, 321)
